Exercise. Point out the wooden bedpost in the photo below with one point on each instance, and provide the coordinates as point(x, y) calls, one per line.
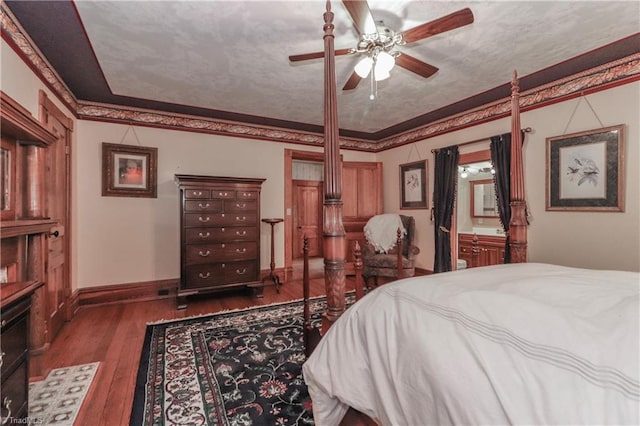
point(399, 268)
point(518, 223)
point(333, 229)
point(357, 267)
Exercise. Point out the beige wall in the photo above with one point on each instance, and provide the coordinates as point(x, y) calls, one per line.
point(118, 240)
point(600, 240)
point(124, 240)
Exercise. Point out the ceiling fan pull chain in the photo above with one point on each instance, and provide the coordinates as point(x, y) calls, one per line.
point(374, 84)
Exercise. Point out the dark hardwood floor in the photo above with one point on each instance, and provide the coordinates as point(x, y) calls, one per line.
point(113, 335)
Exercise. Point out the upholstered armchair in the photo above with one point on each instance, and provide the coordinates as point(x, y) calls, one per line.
point(377, 263)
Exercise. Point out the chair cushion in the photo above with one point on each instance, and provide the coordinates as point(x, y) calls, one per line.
point(386, 261)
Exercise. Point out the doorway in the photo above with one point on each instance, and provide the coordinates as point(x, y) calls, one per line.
point(297, 193)
point(58, 208)
point(307, 216)
point(476, 216)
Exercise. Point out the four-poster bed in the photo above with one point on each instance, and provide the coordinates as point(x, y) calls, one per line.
point(515, 343)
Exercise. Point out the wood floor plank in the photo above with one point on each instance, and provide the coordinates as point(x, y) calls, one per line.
point(114, 334)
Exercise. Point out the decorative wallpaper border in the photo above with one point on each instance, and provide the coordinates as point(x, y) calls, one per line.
point(621, 71)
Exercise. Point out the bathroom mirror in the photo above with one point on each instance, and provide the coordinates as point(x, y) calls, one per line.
point(483, 199)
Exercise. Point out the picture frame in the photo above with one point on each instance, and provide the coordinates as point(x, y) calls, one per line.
point(585, 171)
point(413, 185)
point(129, 171)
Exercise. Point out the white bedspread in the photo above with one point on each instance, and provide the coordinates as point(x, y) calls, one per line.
point(525, 343)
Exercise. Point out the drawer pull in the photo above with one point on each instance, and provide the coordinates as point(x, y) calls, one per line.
point(241, 205)
point(204, 219)
point(205, 276)
point(2, 354)
point(203, 206)
point(247, 194)
point(197, 193)
point(6, 404)
point(242, 250)
point(3, 323)
point(207, 235)
point(241, 272)
point(241, 233)
point(223, 194)
point(208, 252)
point(222, 229)
point(241, 219)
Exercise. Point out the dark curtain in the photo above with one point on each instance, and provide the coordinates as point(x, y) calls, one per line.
point(444, 195)
point(501, 159)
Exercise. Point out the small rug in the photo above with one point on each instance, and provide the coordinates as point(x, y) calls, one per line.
point(233, 368)
point(57, 399)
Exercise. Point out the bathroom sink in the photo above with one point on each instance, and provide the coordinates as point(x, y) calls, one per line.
point(487, 231)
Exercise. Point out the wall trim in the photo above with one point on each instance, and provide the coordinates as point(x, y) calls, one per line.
point(130, 292)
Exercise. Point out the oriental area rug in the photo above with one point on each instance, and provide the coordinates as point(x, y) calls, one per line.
point(233, 368)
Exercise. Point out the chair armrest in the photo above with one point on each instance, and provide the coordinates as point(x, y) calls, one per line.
point(413, 251)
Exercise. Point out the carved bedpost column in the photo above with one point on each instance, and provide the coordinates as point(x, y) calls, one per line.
point(357, 267)
point(518, 223)
point(333, 229)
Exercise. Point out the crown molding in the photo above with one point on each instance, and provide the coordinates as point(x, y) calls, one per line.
point(622, 71)
point(19, 40)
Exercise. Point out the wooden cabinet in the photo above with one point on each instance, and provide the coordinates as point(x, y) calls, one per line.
point(219, 234)
point(26, 230)
point(362, 199)
point(14, 350)
point(481, 250)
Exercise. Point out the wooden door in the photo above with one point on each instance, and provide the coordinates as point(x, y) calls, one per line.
point(362, 198)
point(307, 216)
point(57, 207)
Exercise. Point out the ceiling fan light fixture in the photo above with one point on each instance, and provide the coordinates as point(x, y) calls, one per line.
point(384, 62)
point(381, 75)
point(363, 68)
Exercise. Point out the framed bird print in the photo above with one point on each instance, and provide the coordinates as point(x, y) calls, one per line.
point(585, 171)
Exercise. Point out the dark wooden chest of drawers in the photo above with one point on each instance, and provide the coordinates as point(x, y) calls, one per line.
point(219, 234)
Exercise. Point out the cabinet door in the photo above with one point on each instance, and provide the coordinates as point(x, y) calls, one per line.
point(361, 190)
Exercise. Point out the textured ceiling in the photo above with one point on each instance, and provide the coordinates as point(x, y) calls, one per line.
point(232, 56)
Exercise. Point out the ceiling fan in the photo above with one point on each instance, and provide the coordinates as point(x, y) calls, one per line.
point(377, 43)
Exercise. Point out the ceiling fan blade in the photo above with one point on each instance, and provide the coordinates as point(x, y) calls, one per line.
point(353, 81)
point(454, 20)
point(361, 16)
point(415, 65)
point(316, 55)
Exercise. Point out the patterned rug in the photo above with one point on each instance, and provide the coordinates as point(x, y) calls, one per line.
point(234, 368)
point(57, 399)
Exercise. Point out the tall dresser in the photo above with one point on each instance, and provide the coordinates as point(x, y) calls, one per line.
point(219, 234)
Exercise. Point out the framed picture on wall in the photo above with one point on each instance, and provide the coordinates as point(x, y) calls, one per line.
point(585, 171)
point(413, 185)
point(129, 171)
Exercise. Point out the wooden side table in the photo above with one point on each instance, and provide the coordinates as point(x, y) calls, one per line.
point(273, 277)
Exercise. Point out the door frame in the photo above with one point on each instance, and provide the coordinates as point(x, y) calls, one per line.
point(289, 156)
point(48, 108)
point(483, 154)
point(289, 234)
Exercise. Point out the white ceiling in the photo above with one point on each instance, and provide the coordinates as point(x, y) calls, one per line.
point(233, 55)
